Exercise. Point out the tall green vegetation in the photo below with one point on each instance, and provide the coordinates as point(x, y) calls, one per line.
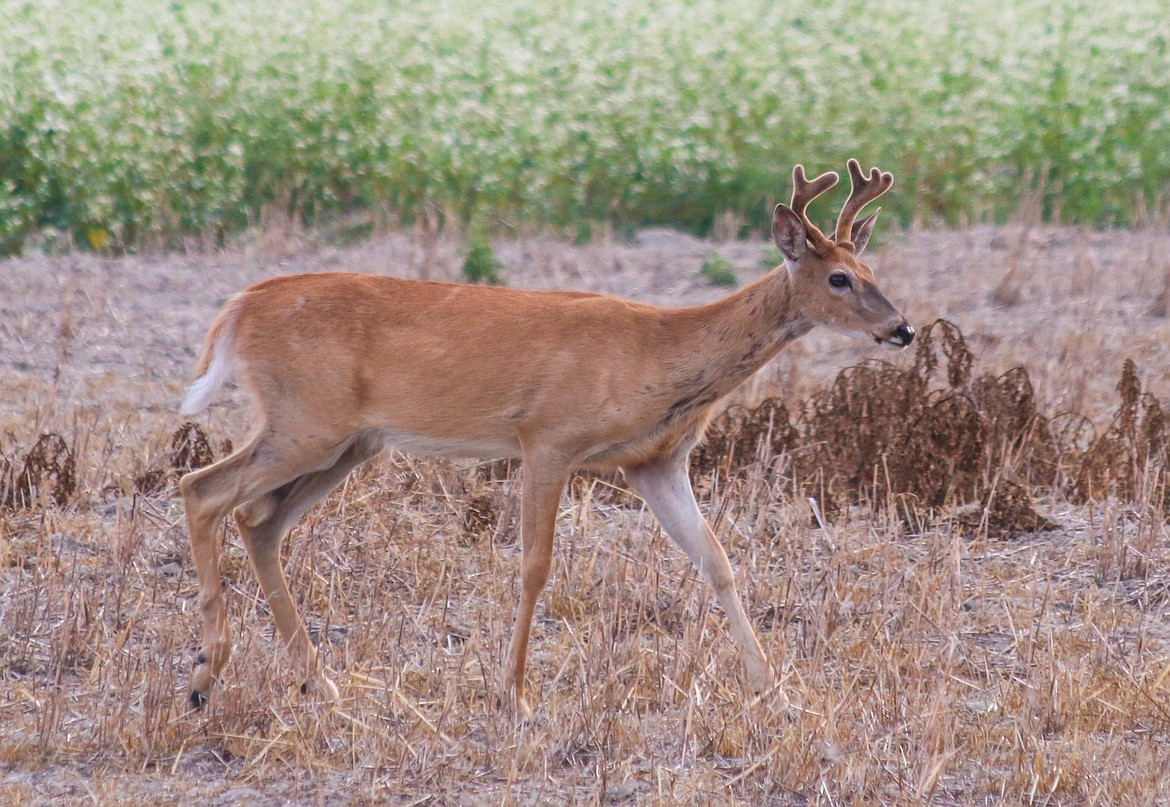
point(127, 120)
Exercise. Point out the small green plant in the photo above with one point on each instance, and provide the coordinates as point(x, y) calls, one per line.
point(481, 265)
point(719, 271)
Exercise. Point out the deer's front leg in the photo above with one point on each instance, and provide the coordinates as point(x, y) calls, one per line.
point(541, 497)
point(665, 487)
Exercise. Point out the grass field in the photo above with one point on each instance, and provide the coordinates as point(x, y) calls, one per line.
point(147, 122)
point(921, 660)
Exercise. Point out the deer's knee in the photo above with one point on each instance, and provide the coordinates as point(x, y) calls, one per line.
point(536, 572)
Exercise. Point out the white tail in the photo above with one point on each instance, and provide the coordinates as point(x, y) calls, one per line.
point(215, 366)
point(343, 365)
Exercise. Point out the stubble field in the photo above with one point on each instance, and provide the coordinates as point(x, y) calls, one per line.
point(922, 656)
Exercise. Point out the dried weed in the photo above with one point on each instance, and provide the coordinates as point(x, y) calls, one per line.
point(896, 437)
point(1132, 454)
point(190, 449)
point(899, 439)
point(48, 473)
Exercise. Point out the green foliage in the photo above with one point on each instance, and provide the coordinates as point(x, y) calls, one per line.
point(153, 119)
point(719, 271)
point(480, 265)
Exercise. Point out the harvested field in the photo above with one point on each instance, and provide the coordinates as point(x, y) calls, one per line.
point(974, 612)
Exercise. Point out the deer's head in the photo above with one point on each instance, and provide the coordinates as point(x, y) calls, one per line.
point(830, 284)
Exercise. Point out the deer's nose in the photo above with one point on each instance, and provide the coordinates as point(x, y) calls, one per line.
point(903, 334)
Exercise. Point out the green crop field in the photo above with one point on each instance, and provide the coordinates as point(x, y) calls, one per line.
point(144, 121)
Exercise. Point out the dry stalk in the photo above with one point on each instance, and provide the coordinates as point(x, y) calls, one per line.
point(919, 659)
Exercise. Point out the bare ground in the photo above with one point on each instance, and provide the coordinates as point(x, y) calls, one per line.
point(915, 665)
point(1068, 304)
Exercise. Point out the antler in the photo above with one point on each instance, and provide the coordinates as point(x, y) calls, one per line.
point(803, 192)
point(863, 192)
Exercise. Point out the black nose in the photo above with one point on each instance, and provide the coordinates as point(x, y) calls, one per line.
point(903, 334)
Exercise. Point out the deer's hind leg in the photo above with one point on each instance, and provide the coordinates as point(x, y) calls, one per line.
point(262, 524)
point(268, 462)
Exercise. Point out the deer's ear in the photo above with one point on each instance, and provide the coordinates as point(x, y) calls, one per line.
point(788, 234)
point(862, 230)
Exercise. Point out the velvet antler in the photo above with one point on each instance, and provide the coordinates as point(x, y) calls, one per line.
point(803, 192)
point(863, 192)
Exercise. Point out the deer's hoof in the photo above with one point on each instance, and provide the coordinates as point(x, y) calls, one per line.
point(321, 688)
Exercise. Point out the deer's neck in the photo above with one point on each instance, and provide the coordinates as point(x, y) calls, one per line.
point(733, 338)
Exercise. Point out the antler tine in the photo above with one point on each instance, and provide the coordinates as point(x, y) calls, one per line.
point(803, 192)
point(863, 192)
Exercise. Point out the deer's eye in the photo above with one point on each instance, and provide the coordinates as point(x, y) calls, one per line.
point(839, 280)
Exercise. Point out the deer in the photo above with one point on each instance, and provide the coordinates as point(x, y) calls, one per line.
point(341, 366)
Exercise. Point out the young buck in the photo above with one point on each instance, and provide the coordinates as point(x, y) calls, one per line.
point(342, 366)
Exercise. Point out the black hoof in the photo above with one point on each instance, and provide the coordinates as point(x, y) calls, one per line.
point(305, 688)
point(198, 699)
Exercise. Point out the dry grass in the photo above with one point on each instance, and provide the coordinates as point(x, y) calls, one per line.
point(921, 658)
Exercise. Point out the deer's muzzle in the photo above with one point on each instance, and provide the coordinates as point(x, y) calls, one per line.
point(903, 335)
